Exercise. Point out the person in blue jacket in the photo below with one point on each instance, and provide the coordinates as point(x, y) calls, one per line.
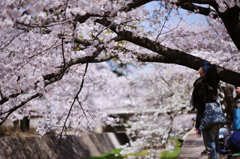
point(233, 142)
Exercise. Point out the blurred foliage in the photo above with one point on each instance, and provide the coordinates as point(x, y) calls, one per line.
point(175, 152)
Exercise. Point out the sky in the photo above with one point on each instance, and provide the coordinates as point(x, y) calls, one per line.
point(192, 18)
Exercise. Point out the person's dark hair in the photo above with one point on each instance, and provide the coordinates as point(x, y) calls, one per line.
point(212, 79)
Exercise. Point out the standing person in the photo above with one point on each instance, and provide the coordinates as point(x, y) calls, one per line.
point(205, 91)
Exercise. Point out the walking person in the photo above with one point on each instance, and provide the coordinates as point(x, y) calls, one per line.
point(205, 91)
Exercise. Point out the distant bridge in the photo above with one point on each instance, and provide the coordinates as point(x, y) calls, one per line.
point(126, 112)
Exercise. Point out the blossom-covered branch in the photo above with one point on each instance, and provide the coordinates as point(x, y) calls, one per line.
point(180, 56)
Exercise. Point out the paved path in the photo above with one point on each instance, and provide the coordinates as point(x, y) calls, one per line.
point(192, 148)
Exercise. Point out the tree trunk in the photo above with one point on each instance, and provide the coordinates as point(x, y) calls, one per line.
point(229, 102)
point(231, 21)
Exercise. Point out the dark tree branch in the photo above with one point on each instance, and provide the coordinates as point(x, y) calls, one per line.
point(5, 99)
point(230, 17)
point(9, 112)
point(83, 41)
point(231, 21)
point(143, 57)
point(75, 98)
point(210, 2)
point(50, 78)
point(104, 59)
point(70, 110)
point(44, 25)
point(164, 54)
point(4, 45)
point(64, 61)
point(83, 18)
point(80, 104)
point(201, 10)
point(134, 4)
point(180, 57)
point(53, 77)
point(153, 58)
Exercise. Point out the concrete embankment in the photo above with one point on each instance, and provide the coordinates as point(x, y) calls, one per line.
point(70, 148)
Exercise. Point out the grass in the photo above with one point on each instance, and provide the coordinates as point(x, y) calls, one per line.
point(110, 155)
point(139, 154)
point(175, 153)
point(164, 155)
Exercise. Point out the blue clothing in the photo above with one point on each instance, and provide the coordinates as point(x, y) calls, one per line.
point(211, 141)
point(233, 141)
point(209, 69)
point(199, 132)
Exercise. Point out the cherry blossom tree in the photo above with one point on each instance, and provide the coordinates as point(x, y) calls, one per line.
point(53, 55)
point(159, 94)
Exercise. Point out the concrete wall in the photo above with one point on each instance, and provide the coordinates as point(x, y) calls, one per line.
point(70, 148)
